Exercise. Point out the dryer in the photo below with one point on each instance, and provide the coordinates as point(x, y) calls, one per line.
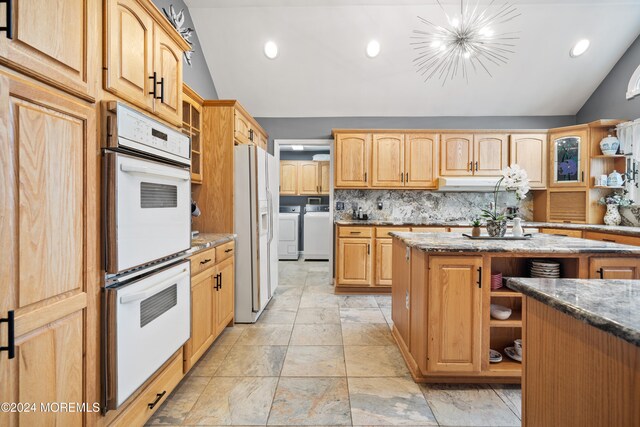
point(289, 229)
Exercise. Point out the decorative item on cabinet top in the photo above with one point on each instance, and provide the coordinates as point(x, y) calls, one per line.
point(177, 20)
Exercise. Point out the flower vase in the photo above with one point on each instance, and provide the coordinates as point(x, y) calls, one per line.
point(612, 217)
point(496, 228)
point(517, 228)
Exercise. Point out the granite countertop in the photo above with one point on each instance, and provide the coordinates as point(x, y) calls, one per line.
point(208, 240)
point(609, 305)
point(538, 244)
point(613, 229)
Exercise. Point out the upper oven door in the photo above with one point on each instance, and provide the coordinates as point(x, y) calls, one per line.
point(148, 211)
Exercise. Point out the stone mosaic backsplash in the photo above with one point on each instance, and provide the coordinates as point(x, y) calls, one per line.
point(403, 205)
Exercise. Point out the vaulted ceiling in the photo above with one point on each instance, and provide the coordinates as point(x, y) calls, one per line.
point(322, 70)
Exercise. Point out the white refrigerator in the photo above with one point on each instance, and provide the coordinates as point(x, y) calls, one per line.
point(256, 203)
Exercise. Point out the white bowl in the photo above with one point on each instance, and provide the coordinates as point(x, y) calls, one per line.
point(500, 312)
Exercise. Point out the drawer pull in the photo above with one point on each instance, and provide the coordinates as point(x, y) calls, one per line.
point(355, 232)
point(11, 342)
point(159, 396)
point(608, 240)
point(228, 250)
point(479, 282)
point(9, 27)
point(205, 261)
point(601, 273)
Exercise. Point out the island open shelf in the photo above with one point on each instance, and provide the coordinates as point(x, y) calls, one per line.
point(441, 297)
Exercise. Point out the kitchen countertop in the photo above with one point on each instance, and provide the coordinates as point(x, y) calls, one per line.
point(208, 240)
point(610, 305)
point(538, 244)
point(613, 229)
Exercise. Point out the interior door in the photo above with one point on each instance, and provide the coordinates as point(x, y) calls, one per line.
point(388, 161)
point(454, 314)
point(456, 155)
point(491, 153)
point(49, 271)
point(129, 54)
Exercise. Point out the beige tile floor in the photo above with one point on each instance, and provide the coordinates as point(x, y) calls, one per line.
point(319, 359)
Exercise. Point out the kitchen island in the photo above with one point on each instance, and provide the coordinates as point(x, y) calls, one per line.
point(441, 296)
point(581, 349)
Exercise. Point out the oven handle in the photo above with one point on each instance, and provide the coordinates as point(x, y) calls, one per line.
point(179, 175)
point(153, 289)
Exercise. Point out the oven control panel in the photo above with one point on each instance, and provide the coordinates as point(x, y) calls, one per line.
point(137, 131)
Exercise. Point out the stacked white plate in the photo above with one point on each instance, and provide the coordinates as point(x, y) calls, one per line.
point(543, 268)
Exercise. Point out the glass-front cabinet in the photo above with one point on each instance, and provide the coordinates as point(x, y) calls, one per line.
point(568, 159)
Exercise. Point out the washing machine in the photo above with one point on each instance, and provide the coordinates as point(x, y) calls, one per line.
point(289, 229)
point(317, 232)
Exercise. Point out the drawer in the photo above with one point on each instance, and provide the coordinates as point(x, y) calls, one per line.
point(225, 251)
point(617, 238)
point(383, 232)
point(562, 232)
point(465, 230)
point(202, 261)
point(429, 229)
point(138, 411)
point(354, 231)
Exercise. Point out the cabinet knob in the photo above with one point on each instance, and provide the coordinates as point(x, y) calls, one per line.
point(8, 28)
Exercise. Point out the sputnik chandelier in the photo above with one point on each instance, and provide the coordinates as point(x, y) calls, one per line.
point(472, 40)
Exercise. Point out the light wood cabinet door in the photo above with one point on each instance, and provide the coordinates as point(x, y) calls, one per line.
point(614, 268)
point(387, 161)
point(263, 142)
point(383, 264)
point(354, 262)
point(288, 178)
point(308, 178)
point(529, 151)
point(53, 39)
point(225, 295)
point(129, 52)
point(168, 68)
point(49, 272)
point(203, 315)
point(456, 154)
point(491, 154)
point(324, 177)
point(568, 155)
point(242, 128)
point(454, 314)
point(401, 259)
point(421, 160)
point(352, 160)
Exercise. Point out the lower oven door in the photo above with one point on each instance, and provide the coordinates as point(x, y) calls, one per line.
point(147, 211)
point(146, 321)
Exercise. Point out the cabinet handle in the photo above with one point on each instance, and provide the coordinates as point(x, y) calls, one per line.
point(11, 342)
point(479, 282)
point(368, 248)
point(154, 77)
point(609, 240)
point(161, 97)
point(217, 285)
point(582, 177)
point(158, 397)
point(470, 166)
point(8, 29)
point(228, 250)
point(476, 166)
point(355, 232)
point(401, 177)
point(407, 177)
point(365, 177)
point(220, 274)
point(251, 135)
point(205, 261)
point(601, 273)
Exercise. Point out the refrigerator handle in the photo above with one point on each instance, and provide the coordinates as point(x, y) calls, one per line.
point(270, 207)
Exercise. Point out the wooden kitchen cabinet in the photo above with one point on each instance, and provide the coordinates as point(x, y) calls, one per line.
point(456, 154)
point(401, 259)
point(288, 178)
point(614, 268)
point(529, 151)
point(192, 127)
point(324, 177)
point(387, 160)
point(354, 261)
point(49, 277)
point(143, 58)
point(421, 160)
point(491, 154)
point(352, 160)
point(212, 299)
point(568, 158)
point(383, 260)
point(54, 41)
point(242, 130)
point(454, 307)
point(308, 178)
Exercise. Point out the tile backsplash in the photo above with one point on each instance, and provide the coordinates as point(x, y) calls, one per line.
point(400, 205)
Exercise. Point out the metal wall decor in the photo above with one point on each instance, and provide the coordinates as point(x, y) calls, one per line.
point(472, 40)
point(177, 20)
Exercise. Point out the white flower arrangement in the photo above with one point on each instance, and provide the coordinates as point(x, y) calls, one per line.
point(514, 179)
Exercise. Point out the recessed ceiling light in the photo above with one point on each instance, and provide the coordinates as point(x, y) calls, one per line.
point(580, 48)
point(271, 50)
point(297, 147)
point(373, 49)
